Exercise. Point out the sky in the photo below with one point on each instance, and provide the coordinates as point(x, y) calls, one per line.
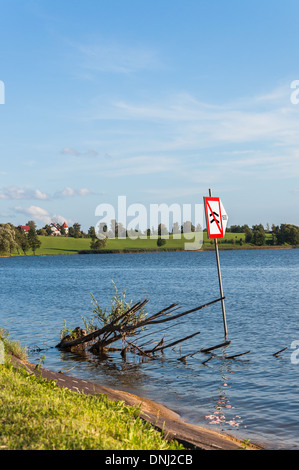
point(156, 101)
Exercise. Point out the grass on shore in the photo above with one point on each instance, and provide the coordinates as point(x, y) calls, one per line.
point(35, 414)
point(69, 245)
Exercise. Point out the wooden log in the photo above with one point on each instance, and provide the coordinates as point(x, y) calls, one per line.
point(207, 360)
point(151, 320)
point(172, 344)
point(278, 352)
point(161, 342)
point(186, 313)
point(153, 333)
point(143, 353)
point(204, 350)
point(116, 327)
point(237, 355)
point(107, 328)
point(226, 343)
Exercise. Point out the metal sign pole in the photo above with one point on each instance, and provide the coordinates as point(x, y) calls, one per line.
point(220, 282)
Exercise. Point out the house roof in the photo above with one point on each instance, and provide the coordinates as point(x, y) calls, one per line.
point(26, 228)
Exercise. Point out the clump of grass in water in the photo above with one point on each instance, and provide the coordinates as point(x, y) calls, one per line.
point(102, 317)
point(119, 305)
point(12, 347)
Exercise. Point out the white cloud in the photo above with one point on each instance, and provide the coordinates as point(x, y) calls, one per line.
point(75, 153)
point(35, 213)
point(69, 151)
point(71, 192)
point(186, 123)
point(15, 192)
point(41, 215)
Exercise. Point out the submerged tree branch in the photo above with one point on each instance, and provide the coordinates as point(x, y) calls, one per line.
point(127, 325)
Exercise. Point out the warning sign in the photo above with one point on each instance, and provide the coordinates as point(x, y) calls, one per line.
point(216, 217)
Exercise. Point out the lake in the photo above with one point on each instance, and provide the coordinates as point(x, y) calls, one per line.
point(254, 396)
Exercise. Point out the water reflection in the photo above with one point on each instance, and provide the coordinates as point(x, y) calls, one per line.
point(224, 413)
point(137, 374)
point(111, 368)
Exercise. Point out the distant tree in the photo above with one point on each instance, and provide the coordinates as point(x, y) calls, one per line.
point(48, 229)
point(42, 231)
point(275, 234)
point(176, 228)
point(289, 234)
point(248, 234)
point(4, 243)
point(162, 230)
point(113, 232)
point(161, 241)
point(293, 235)
point(258, 235)
point(98, 243)
point(236, 229)
point(7, 238)
point(91, 232)
point(22, 240)
point(32, 224)
point(33, 240)
point(77, 230)
point(187, 227)
point(71, 232)
point(121, 230)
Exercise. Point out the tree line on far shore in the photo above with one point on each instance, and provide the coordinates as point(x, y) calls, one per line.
point(277, 235)
point(14, 238)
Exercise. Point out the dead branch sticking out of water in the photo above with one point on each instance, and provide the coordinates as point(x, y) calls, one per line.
point(204, 350)
point(278, 352)
point(99, 340)
point(161, 348)
point(237, 355)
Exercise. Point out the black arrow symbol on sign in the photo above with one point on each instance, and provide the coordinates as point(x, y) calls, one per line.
point(212, 217)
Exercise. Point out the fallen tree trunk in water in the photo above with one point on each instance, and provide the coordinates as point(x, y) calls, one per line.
point(118, 330)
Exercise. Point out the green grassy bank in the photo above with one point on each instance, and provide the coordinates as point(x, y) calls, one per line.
point(69, 245)
point(37, 415)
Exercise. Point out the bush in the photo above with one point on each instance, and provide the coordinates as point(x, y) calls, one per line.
point(161, 241)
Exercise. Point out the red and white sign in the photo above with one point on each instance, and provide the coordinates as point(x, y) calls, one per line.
point(216, 217)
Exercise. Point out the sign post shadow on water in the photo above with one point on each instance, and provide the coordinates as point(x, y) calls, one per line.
point(216, 219)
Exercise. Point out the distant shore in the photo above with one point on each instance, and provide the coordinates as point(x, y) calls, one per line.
point(68, 245)
point(149, 250)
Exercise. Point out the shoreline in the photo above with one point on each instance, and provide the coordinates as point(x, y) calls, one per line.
point(161, 250)
point(165, 420)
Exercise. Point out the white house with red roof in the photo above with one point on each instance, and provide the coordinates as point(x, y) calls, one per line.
point(56, 229)
point(66, 228)
point(25, 228)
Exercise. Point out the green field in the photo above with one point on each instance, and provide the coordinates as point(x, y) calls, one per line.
point(68, 245)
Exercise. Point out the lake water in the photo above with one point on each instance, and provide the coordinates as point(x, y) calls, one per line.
point(252, 397)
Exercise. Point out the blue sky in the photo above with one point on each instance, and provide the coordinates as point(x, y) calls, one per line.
point(158, 101)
